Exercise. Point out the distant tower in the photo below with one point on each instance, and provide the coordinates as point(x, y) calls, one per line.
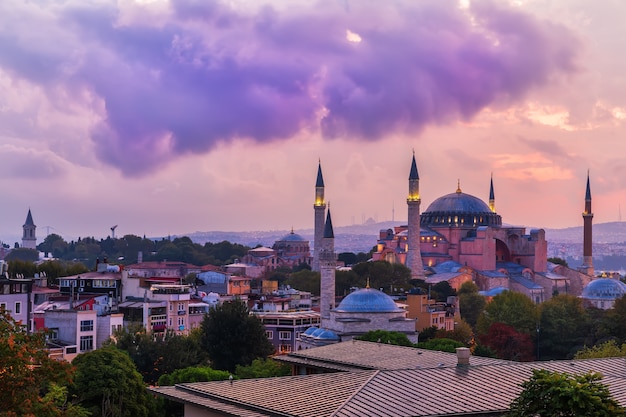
point(29, 239)
point(414, 257)
point(320, 210)
point(587, 266)
point(492, 198)
point(328, 265)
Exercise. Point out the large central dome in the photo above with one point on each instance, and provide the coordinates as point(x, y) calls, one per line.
point(459, 209)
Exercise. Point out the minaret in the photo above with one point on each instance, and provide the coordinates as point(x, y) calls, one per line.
point(29, 239)
point(492, 198)
point(414, 257)
point(587, 266)
point(320, 210)
point(328, 265)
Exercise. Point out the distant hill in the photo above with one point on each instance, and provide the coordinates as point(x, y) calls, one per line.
point(362, 237)
point(612, 232)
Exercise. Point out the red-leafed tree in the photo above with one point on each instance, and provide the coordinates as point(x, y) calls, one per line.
point(31, 384)
point(508, 343)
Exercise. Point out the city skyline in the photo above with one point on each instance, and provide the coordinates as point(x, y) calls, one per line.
point(174, 118)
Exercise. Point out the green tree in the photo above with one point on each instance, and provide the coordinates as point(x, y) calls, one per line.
point(471, 303)
point(385, 336)
point(108, 384)
point(556, 394)
point(305, 280)
point(31, 384)
point(562, 327)
point(345, 280)
point(382, 274)
point(608, 349)
point(263, 368)
point(443, 345)
point(441, 291)
point(193, 374)
point(513, 309)
point(462, 333)
point(558, 261)
point(231, 336)
point(22, 254)
point(615, 320)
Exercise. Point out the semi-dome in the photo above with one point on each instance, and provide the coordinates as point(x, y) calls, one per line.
point(367, 300)
point(459, 209)
point(604, 288)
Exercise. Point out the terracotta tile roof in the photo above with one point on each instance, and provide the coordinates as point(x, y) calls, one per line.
point(358, 354)
point(446, 391)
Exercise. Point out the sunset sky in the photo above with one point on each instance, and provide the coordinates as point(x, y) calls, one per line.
point(193, 115)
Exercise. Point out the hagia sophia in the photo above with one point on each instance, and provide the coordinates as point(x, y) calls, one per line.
point(458, 238)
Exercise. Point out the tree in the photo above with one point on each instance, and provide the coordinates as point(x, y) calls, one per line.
point(562, 327)
point(558, 261)
point(508, 343)
point(305, 280)
point(385, 336)
point(263, 368)
point(443, 345)
point(615, 320)
point(462, 333)
point(30, 382)
point(193, 374)
point(608, 349)
point(556, 394)
point(471, 303)
point(513, 309)
point(155, 356)
point(441, 291)
point(108, 384)
point(385, 275)
point(231, 336)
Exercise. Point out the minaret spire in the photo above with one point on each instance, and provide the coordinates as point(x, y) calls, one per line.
point(492, 196)
point(319, 208)
point(587, 266)
point(414, 257)
point(328, 265)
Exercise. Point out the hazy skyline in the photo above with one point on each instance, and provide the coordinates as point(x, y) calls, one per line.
point(196, 116)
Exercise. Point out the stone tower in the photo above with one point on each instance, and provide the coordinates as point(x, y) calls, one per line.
point(414, 257)
point(320, 210)
point(29, 238)
point(587, 266)
point(328, 265)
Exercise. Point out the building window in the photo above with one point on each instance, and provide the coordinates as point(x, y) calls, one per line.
point(285, 348)
point(86, 325)
point(70, 350)
point(181, 306)
point(18, 308)
point(284, 335)
point(3, 306)
point(86, 343)
point(269, 334)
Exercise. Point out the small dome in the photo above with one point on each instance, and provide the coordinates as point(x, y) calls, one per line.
point(309, 331)
point(291, 237)
point(604, 288)
point(327, 335)
point(367, 300)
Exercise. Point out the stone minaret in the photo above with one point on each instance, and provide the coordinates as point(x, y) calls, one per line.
point(29, 239)
point(587, 266)
point(328, 265)
point(492, 197)
point(320, 210)
point(414, 257)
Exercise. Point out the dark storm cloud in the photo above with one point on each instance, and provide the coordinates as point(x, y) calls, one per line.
point(213, 73)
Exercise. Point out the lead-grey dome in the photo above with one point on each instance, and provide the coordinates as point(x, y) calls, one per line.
point(367, 300)
point(291, 237)
point(459, 209)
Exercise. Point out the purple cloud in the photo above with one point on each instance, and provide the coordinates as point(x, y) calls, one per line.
point(212, 73)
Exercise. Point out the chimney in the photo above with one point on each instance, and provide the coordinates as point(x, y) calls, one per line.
point(462, 355)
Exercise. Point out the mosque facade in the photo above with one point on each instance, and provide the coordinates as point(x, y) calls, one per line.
point(462, 236)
